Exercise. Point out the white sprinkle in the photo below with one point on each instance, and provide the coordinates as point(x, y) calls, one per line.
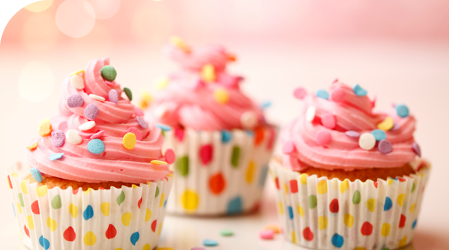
point(249, 119)
point(310, 113)
point(73, 137)
point(87, 125)
point(77, 82)
point(161, 111)
point(367, 141)
point(97, 97)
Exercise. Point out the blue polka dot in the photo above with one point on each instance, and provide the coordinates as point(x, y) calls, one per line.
point(322, 94)
point(96, 146)
point(134, 238)
point(226, 136)
point(165, 203)
point(387, 204)
point(56, 156)
point(378, 134)
point(337, 240)
point(164, 127)
point(36, 174)
point(402, 110)
point(263, 175)
point(210, 243)
point(88, 212)
point(266, 104)
point(235, 206)
point(44, 242)
point(14, 210)
point(359, 91)
point(291, 212)
point(414, 224)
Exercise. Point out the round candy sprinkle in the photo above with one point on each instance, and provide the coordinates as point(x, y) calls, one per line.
point(310, 113)
point(45, 129)
point(164, 127)
point(169, 156)
point(136, 132)
point(323, 137)
point(367, 141)
point(73, 137)
point(75, 101)
point(402, 110)
point(208, 73)
point(87, 125)
point(97, 135)
point(329, 121)
point(386, 125)
point(299, 93)
point(36, 174)
point(385, 146)
point(416, 149)
point(352, 134)
point(77, 82)
point(128, 93)
point(142, 122)
point(221, 95)
point(249, 119)
point(129, 140)
point(266, 234)
point(113, 96)
point(33, 146)
point(96, 146)
point(226, 232)
point(288, 147)
point(58, 138)
point(108, 73)
point(338, 95)
point(210, 243)
point(56, 156)
point(322, 94)
point(91, 111)
point(97, 97)
point(45, 120)
point(378, 134)
point(157, 162)
point(359, 91)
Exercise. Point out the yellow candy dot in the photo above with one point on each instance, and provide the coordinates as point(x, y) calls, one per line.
point(385, 229)
point(146, 247)
point(159, 229)
point(189, 200)
point(30, 222)
point(413, 206)
point(208, 73)
point(371, 205)
point(323, 222)
point(402, 242)
point(322, 187)
point(293, 237)
point(33, 146)
point(300, 211)
point(387, 124)
point(344, 186)
point(133, 186)
point(51, 224)
point(89, 239)
point(349, 220)
point(105, 207)
point(45, 129)
point(19, 208)
point(250, 172)
point(41, 191)
point(148, 215)
point(43, 121)
point(73, 210)
point(129, 141)
point(126, 218)
point(304, 179)
point(400, 199)
point(280, 208)
point(161, 201)
point(156, 162)
point(221, 95)
point(23, 186)
point(286, 190)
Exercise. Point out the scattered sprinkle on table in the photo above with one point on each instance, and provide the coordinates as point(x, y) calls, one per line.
point(108, 73)
point(274, 228)
point(322, 94)
point(96, 146)
point(87, 125)
point(359, 91)
point(210, 243)
point(128, 93)
point(56, 156)
point(164, 127)
point(266, 234)
point(226, 232)
point(36, 174)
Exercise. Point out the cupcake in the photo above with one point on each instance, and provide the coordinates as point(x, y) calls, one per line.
point(349, 177)
point(222, 141)
point(95, 177)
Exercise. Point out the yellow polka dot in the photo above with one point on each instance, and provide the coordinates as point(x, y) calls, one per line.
point(129, 140)
point(161, 201)
point(126, 218)
point(360, 248)
point(349, 220)
point(133, 186)
point(146, 247)
point(30, 222)
point(105, 207)
point(89, 239)
point(371, 204)
point(300, 211)
point(385, 229)
point(159, 229)
point(73, 210)
point(322, 187)
point(402, 242)
point(19, 208)
point(387, 124)
point(323, 222)
point(189, 200)
point(161, 83)
point(221, 95)
point(118, 249)
point(286, 190)
point(14, 175)
point(400, 199)
point(250, 172)
point(280, 208)
point(390, 181)
point(23, 186)
point(304, 179)
point(51, 224)
point(293, 237)
point(413, 206)
point(344, 186)
point(208, 73)
point(41, 191)
point(148, 215)
point(87, 191)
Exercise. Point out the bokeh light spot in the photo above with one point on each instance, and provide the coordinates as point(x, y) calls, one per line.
point(104, 9)
point(39, 6)
point(36, 81)
point(152, 23)
point(75, 18)
point(39, 32)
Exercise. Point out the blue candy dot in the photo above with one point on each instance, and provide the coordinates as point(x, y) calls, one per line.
point(402, 110)
point(263, 175)
point(322, 94)
point(266, 104)
point(14, 210)
point(226, 136)
point(359, 91)
point(210, 243)
point(96, 146)
point(88, 212)
point(56, 156)
point(134, 238)
point(164, 127)
point(414, 224)
point(337, 240)
point(387, 204)
point(44, 242)
point(234, 206)
point(378, 134)
point(291, 212)
point(36, 174)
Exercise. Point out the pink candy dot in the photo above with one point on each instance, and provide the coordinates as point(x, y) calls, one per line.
point(169, 156)
point(266, 234)
point(323, 137)
point(338, 95)
point(299, 93)
point(288, 147)
point(329, 121)
point(136, 132)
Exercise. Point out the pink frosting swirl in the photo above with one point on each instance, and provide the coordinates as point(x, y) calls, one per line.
point(190, 101)
point(351, 113)
point(115, 163)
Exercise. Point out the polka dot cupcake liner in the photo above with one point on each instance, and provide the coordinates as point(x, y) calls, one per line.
point(331, 214)
point(56, 219)
point(219, 172)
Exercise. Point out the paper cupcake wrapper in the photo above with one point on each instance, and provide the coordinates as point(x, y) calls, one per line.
point(219, 172)
point(332, 214)
point(56, 219)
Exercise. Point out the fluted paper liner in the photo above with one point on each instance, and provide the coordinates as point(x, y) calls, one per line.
point(332, 214)
point(56, 219)
point(219, 172)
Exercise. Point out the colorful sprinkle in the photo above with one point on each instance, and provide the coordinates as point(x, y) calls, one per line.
point(129, 140)
point(108, 73)
point(367, 141)
point(33, 146)
point(73, 136)
point(402, 110)
point(111, 84)
point(58, 138)
point(97, 97)
point(266, 234)
point(96, 146)
point(352, 134)
point(75, 101)
point(226, 136)
point(97, 135)
point(208, 73)
point(36, 174)
point(329, 121)
point(56, 156)
point(156, 162)
point(338, 95)
point(142, 122)
point(77, 82)
point(210, 243)
point(128, 93)
point(299, 93)
point(387, 124)
point(221, 95)
point(310, 113)
point(91, 111)
point(416, 149)
point(288, 147)
point(226, 232)
point(113, 96)
point(395, 127)
point(45, 129)
point(169, 156)
point(378, 134)
point(322, 94)
point(87, 125)
point(359, 91)
point(323, 137)
point(249, 119)
point(385, 146)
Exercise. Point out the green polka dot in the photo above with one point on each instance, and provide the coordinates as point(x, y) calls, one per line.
point(120, 198)
point(157, 192)
point(56, 202)
point(413, 187)
point(108, 73)
point(356, 197)
point(312, 201)
point(22, 204)
point(182, 165)
point(235, 156)
point(128, 93)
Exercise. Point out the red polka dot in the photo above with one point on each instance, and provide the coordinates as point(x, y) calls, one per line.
point(375, 184)
point(154, 225)
point(277, 183)
point(75, 191)
point(402, 222)
point(401, 179)
point(35, 207)
point(139, 203)
point(69, 234)
point(259, 136)
point(206, 153)
point(9, 182)
point(179, 134)
point(217, 183)
point(334, 206)
point(111, 232)
point(294, 187)
point(366, 229)
point(307, 234)
point(27, 232)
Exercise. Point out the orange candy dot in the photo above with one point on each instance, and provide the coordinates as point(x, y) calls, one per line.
point(45, 129)
point(33, 146)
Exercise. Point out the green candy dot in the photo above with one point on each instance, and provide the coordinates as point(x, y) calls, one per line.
point(235, 156)
point(312, 200)
point(356, 197)
point(108, 73)
point(183, 165)
point(226, 232)
point(413, 187)
point(120, 198)
point(157, 192)
point(128, 93)
point(22, 204)
point(56, 202)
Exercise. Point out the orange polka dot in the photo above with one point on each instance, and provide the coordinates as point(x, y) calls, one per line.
point(217, 183)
